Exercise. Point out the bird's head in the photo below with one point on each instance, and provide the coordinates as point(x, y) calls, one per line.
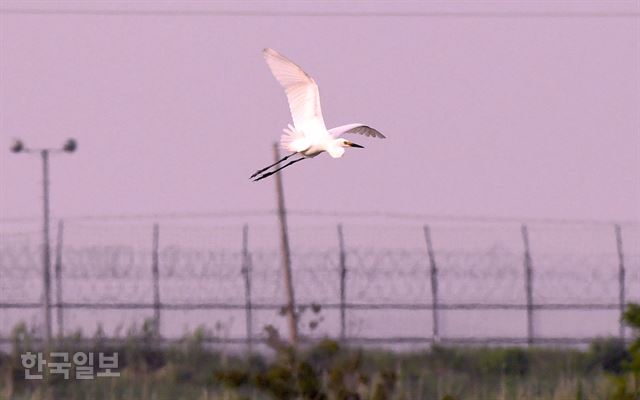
point(337, 146)
point(346, 143)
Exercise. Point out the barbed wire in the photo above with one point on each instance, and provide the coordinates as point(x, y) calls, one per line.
point(105, 274)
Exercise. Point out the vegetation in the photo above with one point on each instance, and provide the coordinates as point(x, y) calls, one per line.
point(190, 369)
point(627, 373)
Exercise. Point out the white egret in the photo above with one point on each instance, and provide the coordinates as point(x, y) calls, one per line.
point(308, 135)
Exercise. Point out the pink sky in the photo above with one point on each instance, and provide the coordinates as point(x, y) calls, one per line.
point(535, 116)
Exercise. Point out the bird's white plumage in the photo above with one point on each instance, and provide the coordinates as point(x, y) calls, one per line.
point(308, 135)
point(302, 94)
point(294, 140)
point(360, 129)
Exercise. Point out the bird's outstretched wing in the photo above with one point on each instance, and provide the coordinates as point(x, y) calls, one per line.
point(302, 92)
point(360, 129)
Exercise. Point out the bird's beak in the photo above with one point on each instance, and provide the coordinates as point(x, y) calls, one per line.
point(356, 145)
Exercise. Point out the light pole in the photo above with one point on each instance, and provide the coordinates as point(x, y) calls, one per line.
point(69, 147)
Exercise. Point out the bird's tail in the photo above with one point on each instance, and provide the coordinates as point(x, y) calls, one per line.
point(293, 140)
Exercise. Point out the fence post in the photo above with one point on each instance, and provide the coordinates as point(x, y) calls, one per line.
point(58, 272)
point(246, 271)
point(528, 285)
point(343, 281)
point(621, 278)
point(155, 276)
point(435, 333)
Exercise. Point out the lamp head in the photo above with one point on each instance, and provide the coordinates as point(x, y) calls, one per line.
point(70, 145)
point(17, 146)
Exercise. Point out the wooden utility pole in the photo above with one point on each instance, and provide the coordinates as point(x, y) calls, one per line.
point(286, 254)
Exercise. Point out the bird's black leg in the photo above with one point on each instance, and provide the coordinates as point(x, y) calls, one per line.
point(276, 170)
point(258, 172)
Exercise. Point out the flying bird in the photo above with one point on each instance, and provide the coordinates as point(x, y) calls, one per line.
point(308, 136)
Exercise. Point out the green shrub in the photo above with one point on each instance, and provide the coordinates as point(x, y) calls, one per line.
point(610, 355)
point(628, 383)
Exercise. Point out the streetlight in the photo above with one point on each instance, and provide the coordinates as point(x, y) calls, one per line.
point(68, 147)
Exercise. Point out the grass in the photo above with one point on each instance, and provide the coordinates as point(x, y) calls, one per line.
point(326, 370)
